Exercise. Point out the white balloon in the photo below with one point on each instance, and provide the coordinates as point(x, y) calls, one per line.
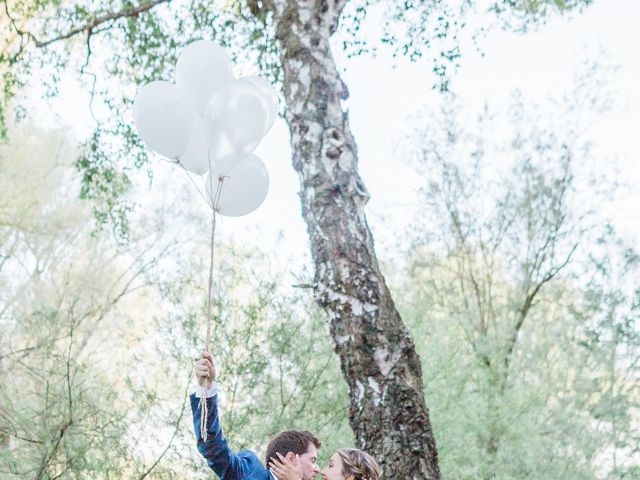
point(196, 156)
point(244, 188)
point(270, 96)
point(224, 156)
point(202, 69)
point(163, 118)
point(240, 112)
point(224, 164)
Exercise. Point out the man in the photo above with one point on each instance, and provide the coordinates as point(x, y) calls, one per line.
point(294, 445)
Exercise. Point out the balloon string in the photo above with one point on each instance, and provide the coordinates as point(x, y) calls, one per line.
point(204, 410)
point(192, 181)
point(216, 199)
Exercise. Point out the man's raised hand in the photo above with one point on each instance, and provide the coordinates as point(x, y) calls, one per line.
point(205, 370)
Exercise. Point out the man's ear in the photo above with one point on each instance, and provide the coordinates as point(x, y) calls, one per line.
point(290, 456)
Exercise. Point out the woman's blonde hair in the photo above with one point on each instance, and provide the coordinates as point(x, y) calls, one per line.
point(359, 464)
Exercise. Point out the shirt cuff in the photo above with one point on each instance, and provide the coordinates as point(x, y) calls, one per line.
point(212, 392)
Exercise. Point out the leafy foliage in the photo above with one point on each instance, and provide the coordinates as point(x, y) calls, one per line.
point(98, 338)
point(117, 45)
point(525, 303)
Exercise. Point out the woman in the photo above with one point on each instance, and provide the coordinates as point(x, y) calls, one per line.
point(345, 464)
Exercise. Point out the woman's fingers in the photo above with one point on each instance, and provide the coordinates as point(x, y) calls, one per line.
point(276, 462)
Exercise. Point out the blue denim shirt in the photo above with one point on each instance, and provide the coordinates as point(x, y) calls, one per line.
point(220, 458)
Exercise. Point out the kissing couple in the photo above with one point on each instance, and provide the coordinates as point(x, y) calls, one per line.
point(291, 455)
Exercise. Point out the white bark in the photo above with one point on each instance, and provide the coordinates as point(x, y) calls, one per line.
point(378, 358)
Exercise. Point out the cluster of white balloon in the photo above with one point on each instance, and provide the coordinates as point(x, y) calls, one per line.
point(211, 122)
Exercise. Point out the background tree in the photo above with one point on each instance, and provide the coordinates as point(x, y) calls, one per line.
point(97, 339)
point(290, 41)
point(62, 289)
point(524, 289)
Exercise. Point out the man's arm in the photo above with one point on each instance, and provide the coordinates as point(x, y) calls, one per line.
point(220, 458)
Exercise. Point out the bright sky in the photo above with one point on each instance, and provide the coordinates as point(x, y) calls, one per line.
point(384, 99)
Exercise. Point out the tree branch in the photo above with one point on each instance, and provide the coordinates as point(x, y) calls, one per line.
point(47, 459)
point(527, 305)
point(88, 27)
point(175, 431)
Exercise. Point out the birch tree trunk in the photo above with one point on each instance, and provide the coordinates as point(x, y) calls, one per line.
point(387, 409)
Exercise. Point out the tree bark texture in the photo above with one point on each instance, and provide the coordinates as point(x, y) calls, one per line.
point(387, 409)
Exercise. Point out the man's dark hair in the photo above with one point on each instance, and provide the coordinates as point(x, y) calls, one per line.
point(294, 441)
